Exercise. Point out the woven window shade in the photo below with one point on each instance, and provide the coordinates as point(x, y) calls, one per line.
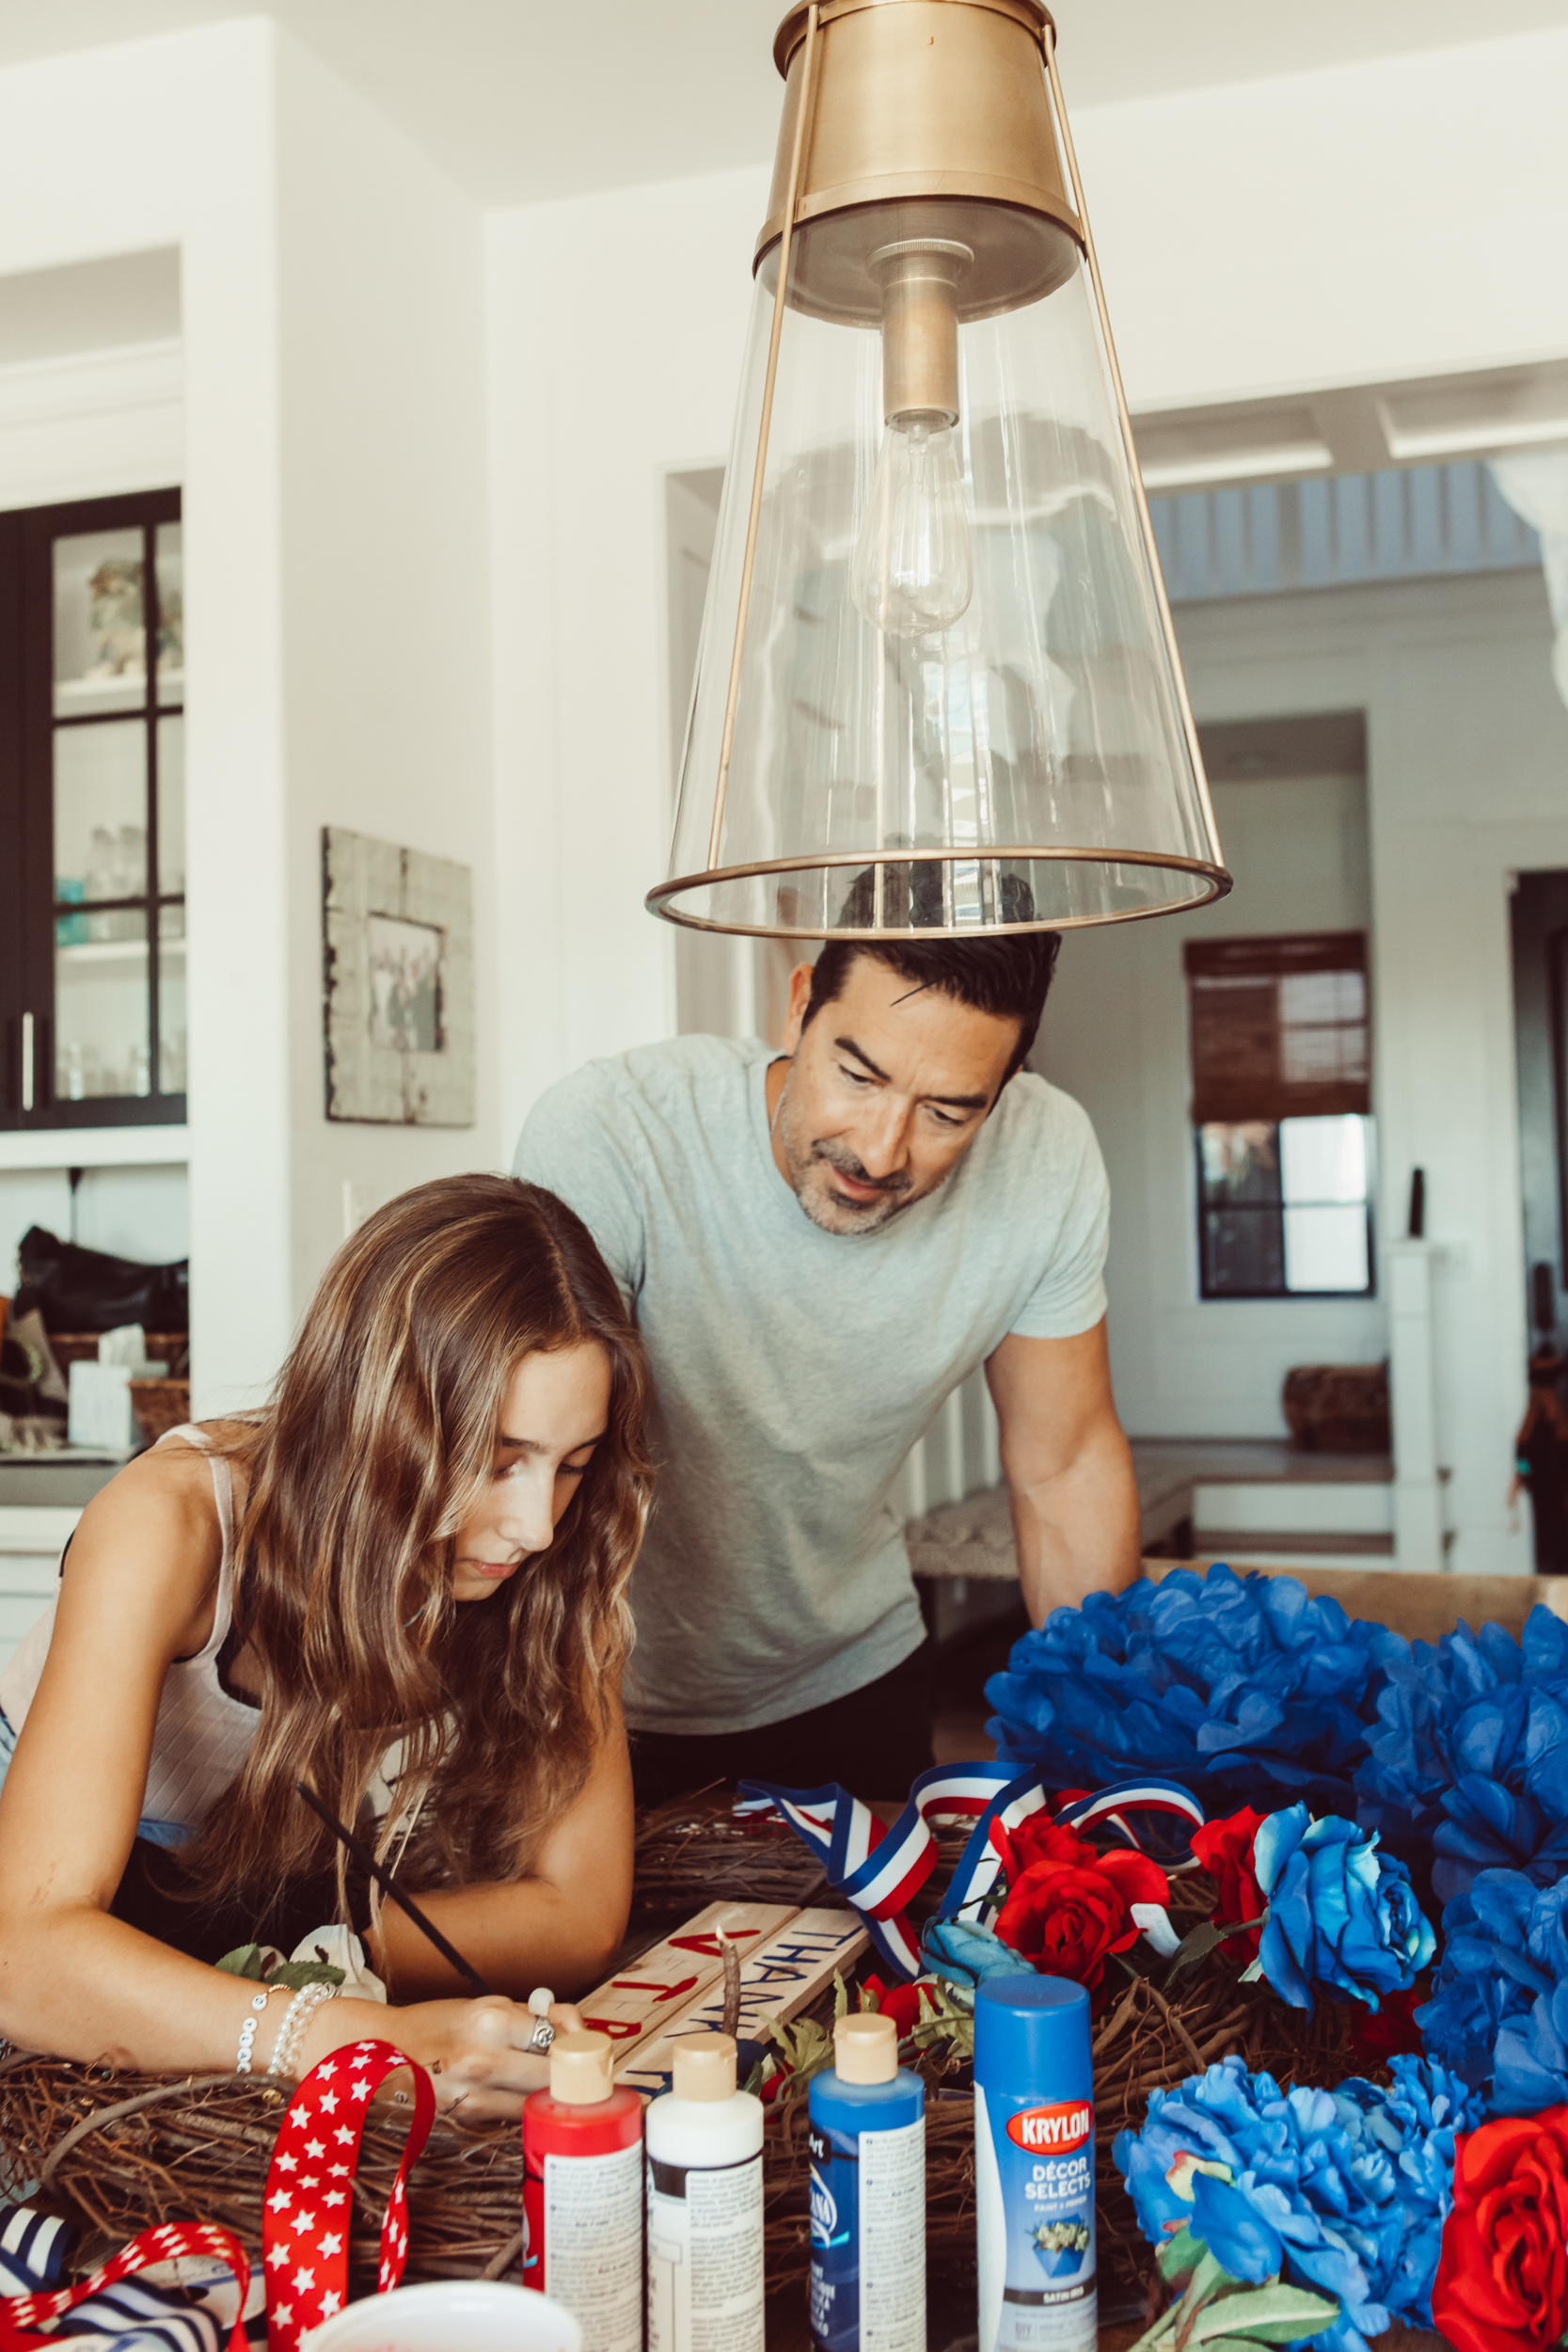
point(1279, 1026)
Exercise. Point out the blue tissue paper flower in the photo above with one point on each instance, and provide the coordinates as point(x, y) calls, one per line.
point(1495, 2017)
point(1469, 1753)
point(1341, 1913)
point(1342, 2192)
point(1220, 1681)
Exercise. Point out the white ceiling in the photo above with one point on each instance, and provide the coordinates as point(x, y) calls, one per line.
point(520, 99)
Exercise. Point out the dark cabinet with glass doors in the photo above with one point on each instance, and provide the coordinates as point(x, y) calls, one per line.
point(92, 830)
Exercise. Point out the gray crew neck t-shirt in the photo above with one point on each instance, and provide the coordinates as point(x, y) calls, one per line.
point(794, 1369)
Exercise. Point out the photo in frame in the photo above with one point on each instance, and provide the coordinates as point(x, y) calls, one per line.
point(398, 986)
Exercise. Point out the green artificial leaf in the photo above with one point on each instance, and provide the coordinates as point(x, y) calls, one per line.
point(1207, 1937)
point(1179, 2256)
point(1174, 2326)
point(244, 1960)
point(1229, 2344)
point(1271, 2314)
point(295, 1975)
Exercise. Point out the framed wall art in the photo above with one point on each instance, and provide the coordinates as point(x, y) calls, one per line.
point(398, 973)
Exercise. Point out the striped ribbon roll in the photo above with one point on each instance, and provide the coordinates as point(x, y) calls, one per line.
point(878, 1868)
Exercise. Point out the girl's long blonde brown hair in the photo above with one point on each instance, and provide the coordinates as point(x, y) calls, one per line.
point(377, 1444)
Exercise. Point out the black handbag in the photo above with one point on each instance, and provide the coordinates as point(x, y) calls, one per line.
point(85, 1290)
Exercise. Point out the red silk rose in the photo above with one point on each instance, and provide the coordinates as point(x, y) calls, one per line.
point(1066, 1916)
point(1503, 2277)
point(1392, 2028)
point(1225, 1850)
point(903, 2003)
point(1039, 1839)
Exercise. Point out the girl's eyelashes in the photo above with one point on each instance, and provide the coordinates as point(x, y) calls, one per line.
point(566, 1469)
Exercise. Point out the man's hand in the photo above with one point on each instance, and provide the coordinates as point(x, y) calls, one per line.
point(1069, 1468)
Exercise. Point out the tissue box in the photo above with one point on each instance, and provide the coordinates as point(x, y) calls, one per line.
point(100, 1409)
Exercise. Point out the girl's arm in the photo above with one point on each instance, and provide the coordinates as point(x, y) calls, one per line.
point(562, 1926)
point(138, 1592)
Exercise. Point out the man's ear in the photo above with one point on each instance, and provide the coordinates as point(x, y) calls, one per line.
point(795, 1013)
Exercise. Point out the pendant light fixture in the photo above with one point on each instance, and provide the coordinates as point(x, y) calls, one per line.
point(937, 688)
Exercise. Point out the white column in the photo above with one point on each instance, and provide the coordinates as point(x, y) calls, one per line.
point(1413, 1383)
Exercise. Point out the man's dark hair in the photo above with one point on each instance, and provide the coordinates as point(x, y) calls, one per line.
point(1007, 976)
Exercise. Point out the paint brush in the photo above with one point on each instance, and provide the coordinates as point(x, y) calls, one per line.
point(390, 1888)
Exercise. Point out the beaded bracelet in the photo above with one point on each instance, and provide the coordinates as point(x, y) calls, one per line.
point(295, 2018)
point(247, 2031)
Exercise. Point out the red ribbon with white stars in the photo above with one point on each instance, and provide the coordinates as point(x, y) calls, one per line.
point(308, 2204)
point(305, 2216)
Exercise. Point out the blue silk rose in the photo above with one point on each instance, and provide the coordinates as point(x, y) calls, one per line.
point(1340, 1913)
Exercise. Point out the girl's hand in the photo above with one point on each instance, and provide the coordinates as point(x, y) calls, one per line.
point(476, 2052)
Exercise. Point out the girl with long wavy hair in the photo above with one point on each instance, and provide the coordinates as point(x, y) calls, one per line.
point(402, 1587)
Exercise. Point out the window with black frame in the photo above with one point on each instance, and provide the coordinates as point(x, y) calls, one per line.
point(92, 695)
point(1280, 1034)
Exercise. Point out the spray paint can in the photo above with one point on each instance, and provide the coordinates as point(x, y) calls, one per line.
point(868, 2194)
point(582, 2194)
point(1034, 2165)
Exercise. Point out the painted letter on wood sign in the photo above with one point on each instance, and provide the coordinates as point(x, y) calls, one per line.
point(778, 1979)
point(646, 1996)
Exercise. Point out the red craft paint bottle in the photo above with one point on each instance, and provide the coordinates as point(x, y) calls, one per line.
point(582, 2194)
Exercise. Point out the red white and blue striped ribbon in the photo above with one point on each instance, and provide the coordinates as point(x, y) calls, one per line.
point(1167, 1812)
point(878, 1867)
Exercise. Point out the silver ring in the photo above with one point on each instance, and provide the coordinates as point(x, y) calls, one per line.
point(542, 2036)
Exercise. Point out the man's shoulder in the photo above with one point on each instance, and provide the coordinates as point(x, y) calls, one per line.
point(1033, 1113)
point(649, 1080)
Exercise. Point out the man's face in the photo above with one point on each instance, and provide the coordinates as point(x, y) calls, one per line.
point(887, 1089)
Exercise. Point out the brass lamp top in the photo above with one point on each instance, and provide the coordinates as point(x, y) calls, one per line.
point(936, 107)
point(792, 31)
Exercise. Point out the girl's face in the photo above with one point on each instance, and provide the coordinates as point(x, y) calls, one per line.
point(554, 1414)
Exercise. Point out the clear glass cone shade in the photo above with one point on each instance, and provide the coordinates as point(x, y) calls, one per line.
point(1029, 763)
point(914, 571)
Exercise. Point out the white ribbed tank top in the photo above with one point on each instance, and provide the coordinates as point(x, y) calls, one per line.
point(202, 1735)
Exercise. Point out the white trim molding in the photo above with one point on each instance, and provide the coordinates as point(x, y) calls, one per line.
point(92, 424)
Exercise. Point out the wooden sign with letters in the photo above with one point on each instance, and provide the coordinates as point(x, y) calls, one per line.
point(646, 1997)
point(778, 1978)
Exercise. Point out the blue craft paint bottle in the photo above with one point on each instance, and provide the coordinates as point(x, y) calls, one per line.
point(1034, 2166)
point(868, 2194)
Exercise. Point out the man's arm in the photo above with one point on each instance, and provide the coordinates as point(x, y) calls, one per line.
point(1068, 1468)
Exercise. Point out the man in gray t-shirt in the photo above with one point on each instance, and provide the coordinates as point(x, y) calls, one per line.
point(820, 1245)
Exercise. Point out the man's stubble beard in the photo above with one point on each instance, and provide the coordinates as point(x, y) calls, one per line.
point(828, 1211)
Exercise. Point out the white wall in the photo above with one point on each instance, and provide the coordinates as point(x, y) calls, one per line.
point(1467, 779)
point(1401, 216)
point(1114, 1036)
point(384, 537)
point(617, 324)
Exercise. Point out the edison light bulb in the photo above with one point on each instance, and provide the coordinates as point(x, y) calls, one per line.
point(913, 572)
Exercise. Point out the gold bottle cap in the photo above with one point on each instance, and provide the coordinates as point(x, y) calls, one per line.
point(865, 2048)
point(579, 2069)
point(704, 2066)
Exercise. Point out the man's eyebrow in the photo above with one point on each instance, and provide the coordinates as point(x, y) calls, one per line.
point(948, 1102)
point(847, 1046)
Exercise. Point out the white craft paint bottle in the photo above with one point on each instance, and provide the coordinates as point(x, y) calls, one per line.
point(704, 2206)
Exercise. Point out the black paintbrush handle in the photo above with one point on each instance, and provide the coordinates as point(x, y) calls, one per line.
point(390, 1888)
